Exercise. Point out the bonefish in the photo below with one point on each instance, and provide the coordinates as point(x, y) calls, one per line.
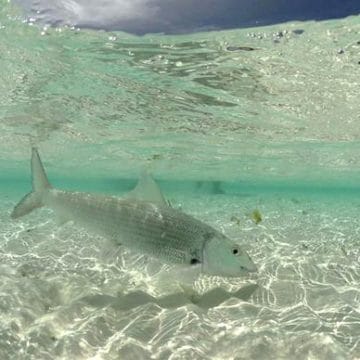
point(142, 221)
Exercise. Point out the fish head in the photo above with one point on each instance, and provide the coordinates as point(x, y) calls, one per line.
point(223, 257)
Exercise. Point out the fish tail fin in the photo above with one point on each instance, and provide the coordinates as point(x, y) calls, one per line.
point(40, 184)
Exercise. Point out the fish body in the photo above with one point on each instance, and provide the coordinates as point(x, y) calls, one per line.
point(142, 222)
point(155, 229)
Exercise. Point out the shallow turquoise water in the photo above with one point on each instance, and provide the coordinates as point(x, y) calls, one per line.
point(225, 131)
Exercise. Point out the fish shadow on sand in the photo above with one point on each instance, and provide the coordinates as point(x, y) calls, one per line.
point(206, 301)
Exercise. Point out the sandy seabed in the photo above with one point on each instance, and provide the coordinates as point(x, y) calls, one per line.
point(66, 294)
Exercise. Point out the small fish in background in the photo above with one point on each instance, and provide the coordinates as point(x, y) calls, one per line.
point(256, 216)
point(239, 48)
point(142, 221)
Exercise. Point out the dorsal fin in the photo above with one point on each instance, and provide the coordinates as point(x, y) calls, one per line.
point(147, 190)
point(40, 181)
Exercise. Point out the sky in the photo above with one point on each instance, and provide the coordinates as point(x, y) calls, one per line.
point(182, 16)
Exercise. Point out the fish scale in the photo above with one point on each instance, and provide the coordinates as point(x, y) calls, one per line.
point(163, 230)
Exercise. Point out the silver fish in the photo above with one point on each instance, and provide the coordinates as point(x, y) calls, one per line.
point(140, 221)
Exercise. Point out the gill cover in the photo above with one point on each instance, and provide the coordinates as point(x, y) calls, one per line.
point(223, 257)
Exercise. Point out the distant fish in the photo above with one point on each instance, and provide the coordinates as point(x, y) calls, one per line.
point(238, 48)
point(142, 221)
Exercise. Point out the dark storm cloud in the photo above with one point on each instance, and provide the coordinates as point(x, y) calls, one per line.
point(171, 16)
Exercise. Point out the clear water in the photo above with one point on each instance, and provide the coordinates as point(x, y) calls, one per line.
point(225, 131)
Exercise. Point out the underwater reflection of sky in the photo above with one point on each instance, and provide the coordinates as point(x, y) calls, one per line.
point(176, 16)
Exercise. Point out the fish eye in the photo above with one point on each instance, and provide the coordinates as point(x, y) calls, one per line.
point(235, 250)
point(194, 261)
